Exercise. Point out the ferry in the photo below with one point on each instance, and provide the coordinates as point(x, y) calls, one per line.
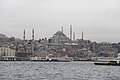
point(113, 62)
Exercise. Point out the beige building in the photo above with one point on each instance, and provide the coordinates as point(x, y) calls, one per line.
point(7, 53)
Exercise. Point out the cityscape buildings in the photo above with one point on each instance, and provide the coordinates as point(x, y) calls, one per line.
point(58, 45)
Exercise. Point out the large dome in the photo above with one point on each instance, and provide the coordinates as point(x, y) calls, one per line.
point(59, 38)
point(59, 33)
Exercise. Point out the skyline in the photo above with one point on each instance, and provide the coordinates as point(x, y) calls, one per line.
point(99, 20)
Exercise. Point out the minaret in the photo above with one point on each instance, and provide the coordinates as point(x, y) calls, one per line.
point(24, 41)
point(33, 43)
point(70, 32)
point(24, 35)
point(33, 35)
point(82, 35)
point(73, 36)
point(62, 28)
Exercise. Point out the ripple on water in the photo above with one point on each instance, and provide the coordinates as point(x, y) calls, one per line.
point(57, 71)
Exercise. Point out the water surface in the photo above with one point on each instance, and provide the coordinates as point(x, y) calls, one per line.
point(57, 71)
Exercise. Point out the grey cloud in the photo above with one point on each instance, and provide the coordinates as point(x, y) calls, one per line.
point(93, 16)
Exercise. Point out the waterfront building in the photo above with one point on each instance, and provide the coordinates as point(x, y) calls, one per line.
point(23, 50)
point(83, 53)
point(7, 53)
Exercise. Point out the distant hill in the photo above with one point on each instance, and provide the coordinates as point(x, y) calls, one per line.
point(3, 36)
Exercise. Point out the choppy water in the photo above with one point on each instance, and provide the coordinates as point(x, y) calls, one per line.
point(57, 71)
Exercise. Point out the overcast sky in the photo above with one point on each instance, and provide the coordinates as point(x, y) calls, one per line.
point(99, 19)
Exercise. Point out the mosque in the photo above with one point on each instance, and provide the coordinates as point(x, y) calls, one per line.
point(60, 38)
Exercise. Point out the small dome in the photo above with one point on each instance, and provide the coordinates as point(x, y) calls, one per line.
point(20, 45)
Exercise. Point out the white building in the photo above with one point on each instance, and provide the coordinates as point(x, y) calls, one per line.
point(7, 53)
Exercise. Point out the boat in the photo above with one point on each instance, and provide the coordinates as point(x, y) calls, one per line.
point(37, 59)
point(113, 62)
point(59, 59)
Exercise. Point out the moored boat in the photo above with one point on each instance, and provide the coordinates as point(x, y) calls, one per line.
point(113, 62)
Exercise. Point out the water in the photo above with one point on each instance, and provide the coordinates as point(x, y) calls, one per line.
point(57, 71)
